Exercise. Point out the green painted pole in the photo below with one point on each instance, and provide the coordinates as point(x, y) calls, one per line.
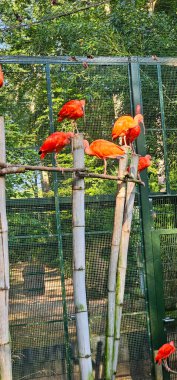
point(164, 136)
point(59, 234)
point(155, 330)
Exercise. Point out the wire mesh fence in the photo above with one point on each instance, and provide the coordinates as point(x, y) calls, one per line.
point(38, 323)
point(36, 312)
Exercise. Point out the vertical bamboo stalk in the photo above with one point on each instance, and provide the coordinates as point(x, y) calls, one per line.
point(122, 260)
point(117, 229)
point(82, 326)
point(158, 369)
point(5, 351)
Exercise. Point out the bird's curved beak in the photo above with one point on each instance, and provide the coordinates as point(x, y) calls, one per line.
point(83, 107)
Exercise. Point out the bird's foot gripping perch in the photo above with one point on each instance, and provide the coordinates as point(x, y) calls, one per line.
point(165, 365)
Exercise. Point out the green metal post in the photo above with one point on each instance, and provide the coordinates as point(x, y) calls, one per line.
point(159, 285)
point(147, 223)
point(130, 88)
point(161, 100)
point(60, 247)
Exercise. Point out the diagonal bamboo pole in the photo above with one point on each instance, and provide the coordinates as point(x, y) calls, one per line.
point(5, 350)
point(82, 326)
point(122, 261)
point(117, 229)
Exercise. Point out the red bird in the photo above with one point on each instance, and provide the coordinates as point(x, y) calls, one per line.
point(123, 124)
point(1, 77)
point(103, 149)
point(144, 162)
point(164, 352)
point(74, 109)
point(55, 143)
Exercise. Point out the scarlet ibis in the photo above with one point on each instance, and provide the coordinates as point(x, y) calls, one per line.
point(144, 162)
point(1, 77)
point(164, 352)
point(123, 124)
point(103, 149)
point(55, 143)
point(74, 109)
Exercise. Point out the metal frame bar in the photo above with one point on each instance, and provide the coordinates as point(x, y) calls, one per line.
point(159, 285)
point(79, 60)
point(161, 100)
point(146, 220)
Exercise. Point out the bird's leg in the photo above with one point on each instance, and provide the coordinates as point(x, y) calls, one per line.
point(125, 141)
point(74, 123)
point(164, 363)
point(132, 148)
point(105, 166)
point(139, 178)
point(84, 117)
point(57, 164)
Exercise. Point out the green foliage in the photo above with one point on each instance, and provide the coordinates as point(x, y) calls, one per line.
point(144, 35)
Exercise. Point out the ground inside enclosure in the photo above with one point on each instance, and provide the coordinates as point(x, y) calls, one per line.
point(36, 303)
point(39, 339)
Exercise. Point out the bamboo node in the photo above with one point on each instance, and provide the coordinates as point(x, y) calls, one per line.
point(84, 357)
point(4, 288)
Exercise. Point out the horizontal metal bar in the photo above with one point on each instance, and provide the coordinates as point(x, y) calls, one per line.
point(63, 60)
point(21, 203)
point(170, 61)
point(162, 195)
point(79, 60)
point(52, 236)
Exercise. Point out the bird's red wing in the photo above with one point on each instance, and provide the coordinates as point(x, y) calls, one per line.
point(55, 140)
point(132, 134)
point(70, 106)
point(106, 149)
point(71, 110)
point(122, 125)
point(164, 352)
point(1, 78)
point(144, 162)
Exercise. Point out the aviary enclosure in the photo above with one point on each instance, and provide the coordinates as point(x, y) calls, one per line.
point(39, 210)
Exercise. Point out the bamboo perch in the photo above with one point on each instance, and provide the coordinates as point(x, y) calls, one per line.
point(81, 172)
point(125, 178)
point(118, 219)
point(5, 351)
point(82, 326)
point(122, 260)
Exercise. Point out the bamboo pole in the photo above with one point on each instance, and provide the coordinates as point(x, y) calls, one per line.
point(82, 326)
point(117, 229)
point(158, 369)
point(5, 351)
point(122, 260)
